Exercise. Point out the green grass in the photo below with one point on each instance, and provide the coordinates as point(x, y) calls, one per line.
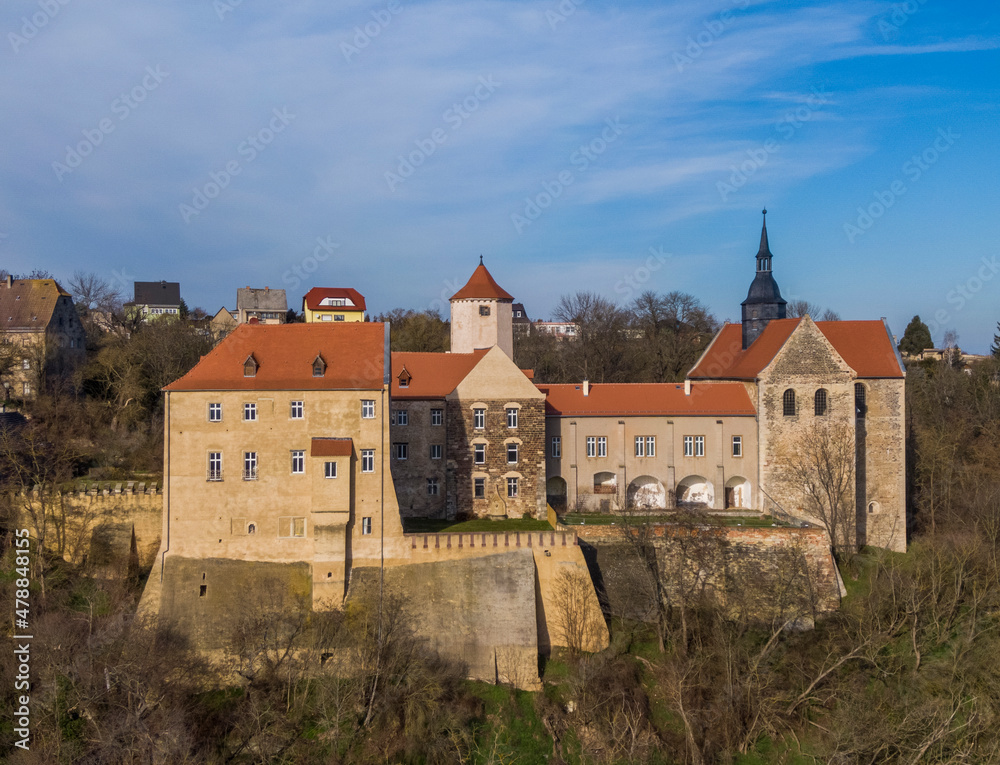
point(604, 519)
point(432, 526)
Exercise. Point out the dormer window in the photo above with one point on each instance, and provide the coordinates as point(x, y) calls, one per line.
point(404, 379)
point(319, 366)
point(250, 366)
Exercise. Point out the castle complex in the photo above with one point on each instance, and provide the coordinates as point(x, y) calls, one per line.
point(295, 451)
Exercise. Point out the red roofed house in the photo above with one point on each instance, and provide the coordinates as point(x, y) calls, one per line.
point(818, 387)
point(650, 445)
point(333, 304)
point(275, 457)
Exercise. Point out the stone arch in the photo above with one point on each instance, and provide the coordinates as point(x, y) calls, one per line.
point(605, 482)
point(695, 490)
point(646, 492)
point(738, 493)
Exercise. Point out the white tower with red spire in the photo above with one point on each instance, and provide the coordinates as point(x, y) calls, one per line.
point(481, 315)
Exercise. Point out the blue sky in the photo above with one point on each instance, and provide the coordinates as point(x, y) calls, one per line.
point(575, 145)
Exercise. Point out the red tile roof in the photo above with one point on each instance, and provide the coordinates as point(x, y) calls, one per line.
point(331, 447)
point(316, 295)
point(482, 285)
point(636, 399)
point(432, 375)
point(353, 352)
point(864, 345)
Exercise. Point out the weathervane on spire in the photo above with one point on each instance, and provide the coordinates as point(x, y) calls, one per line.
point(480, 260)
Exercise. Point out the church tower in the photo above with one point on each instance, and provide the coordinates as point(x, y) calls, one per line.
point(481, 315)
point(764, 301)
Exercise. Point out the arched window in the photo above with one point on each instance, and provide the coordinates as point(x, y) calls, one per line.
point(860, 404)
point(819, 402)
point(788, 403)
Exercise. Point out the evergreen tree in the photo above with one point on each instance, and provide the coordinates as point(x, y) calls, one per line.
point(916, 338)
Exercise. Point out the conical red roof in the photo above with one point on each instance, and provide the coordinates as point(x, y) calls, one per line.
point(482, 285)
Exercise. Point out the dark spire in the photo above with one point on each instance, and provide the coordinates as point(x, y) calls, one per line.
point(480, 260)
point(764, 253)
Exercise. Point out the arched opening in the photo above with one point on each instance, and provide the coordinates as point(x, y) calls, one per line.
point(788, 403)
point(819, 402)
point(555, 492)
point(695, 492)
point(738, 493)
point(605, 483)
point(646, 492)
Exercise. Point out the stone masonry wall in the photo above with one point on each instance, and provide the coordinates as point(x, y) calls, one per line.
point(410, 476)
point(529, 470)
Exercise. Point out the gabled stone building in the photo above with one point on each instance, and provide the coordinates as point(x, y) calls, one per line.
point(39, 330)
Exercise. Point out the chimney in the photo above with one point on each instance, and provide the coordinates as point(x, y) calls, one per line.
point(687, 387)
point(10, 281)
point(586, 387)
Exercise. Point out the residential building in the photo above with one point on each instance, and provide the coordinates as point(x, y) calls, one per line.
point(153, 300)
point(267, 306)
point(333, 304)
point(40, 332)
point(562, 330)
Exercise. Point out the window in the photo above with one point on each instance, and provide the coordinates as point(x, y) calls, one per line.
point(319, 366)
point(512, 487)
point(400, 451)
point(860, 403)
point(249, 412)
point(366, 525)
point(479, 418)
point(591, 446)
point(330, 469)
point(556, 447)
point(367, 460)
point(788, 403)
point(645, 446)
point(368, 409)
point(326, 317)
point(291, 526)
point(249, 466)
point(298, 461)
point(511, 454)
point(250, 366)
point(298, 410)
point(338, 317)
point(699, 446)
point(399, 417)
point(511, 418)
point(437, 416)
point(737, 446)
point(215, 412)
point(484, 310)
point(215, 466)
point(602, 446)
point(688, 446)
point(436, 451)
point(819, 402)
point(480, 454)
point(432, 487)
point(478, 488)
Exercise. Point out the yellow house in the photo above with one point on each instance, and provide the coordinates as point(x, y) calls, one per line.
point(333, 304)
